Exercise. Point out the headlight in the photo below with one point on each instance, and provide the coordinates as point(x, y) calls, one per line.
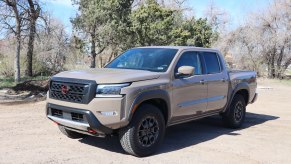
point(110, 90)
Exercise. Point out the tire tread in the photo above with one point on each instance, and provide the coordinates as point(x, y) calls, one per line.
point(228, 116)
point(126, 134)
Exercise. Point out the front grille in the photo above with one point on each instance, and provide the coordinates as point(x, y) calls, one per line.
point(57, 113)
point(68, 91)
point(77, 117)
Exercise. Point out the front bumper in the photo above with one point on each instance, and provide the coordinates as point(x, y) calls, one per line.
point(110, 112)
point(84, 122)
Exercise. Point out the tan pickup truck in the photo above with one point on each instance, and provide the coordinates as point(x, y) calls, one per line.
point(146, 89)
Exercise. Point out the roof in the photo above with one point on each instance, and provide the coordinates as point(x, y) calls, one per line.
point(182, 48)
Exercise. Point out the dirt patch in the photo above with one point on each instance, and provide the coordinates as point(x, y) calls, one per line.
point(33, 86)
point(25, 92)
point(27, 136)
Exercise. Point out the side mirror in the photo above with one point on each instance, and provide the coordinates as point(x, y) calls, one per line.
point(185, 71)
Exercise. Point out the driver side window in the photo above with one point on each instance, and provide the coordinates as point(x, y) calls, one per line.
point(190, 58)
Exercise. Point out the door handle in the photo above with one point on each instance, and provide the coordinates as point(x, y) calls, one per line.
point(202, 82)
point(223, 80)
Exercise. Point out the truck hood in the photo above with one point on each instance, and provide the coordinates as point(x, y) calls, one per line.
point(109, 75)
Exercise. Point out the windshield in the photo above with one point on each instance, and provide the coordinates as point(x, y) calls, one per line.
point(151, 59)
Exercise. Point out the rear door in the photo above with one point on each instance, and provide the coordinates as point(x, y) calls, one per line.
point(189, 93)
point(217, 81)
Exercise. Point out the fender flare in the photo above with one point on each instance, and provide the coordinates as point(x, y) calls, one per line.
point(238, 87)
point(148, 95)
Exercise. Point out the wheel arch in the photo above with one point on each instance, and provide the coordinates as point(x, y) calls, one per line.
point(158, 98)
point(244, 93)
point(242, 89)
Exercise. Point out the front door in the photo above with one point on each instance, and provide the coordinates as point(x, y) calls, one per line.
point(189, 93)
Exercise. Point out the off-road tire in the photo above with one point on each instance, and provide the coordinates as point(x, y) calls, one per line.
point(69, 133)
point(139, 141)
point(235, 115)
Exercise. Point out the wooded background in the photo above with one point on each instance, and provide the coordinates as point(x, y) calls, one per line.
point(34, 43)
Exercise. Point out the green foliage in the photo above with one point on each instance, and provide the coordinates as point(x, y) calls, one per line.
point(39, 68)
point(116, 25)
point(107, 21)
point(6, 66)
point(6, 82)
point(194, 32)
point(152, 24)
point(77, 43)
point(118, 22)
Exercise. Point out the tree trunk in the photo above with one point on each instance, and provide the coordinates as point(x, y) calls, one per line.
point(30, 47)
point(17, 55)
point(34, 9)
point(271, 66)
point(287, 64)
point(100, 61)
point(18, 40)
point(280, 67)
point(93, 62)
point(93, 51)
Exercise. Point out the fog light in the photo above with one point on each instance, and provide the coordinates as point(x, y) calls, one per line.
point(91, 131)
point(113, 113)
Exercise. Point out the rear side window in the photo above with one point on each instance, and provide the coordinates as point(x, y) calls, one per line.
point(211, 62)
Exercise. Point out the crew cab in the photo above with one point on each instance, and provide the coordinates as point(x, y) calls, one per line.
point(147, 89)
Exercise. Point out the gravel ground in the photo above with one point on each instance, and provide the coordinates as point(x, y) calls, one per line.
point(27, 136)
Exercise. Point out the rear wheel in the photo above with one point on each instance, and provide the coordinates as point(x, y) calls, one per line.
point(145, 132)
point(69, 133)
point(235, 115)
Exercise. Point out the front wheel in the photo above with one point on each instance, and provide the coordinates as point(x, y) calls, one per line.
point(145, 132)
point(235, 116)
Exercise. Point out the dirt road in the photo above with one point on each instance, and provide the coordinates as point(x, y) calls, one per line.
point(27, 136)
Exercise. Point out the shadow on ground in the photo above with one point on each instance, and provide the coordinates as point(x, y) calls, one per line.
point(187, 134)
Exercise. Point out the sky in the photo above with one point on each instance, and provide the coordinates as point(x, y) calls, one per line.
point(237, 9)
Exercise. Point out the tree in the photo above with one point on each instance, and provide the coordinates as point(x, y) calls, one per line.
point(177, 4)
point(217, 18)
point(275, 37)
point(248, 47)
point(86, 22)
point(264, 41)
point(152, 24)
point(104, 22)
point(111, 26)
point(34, 13)
point(12, 19)
point(194, 32)
point(118, 26)
point(52, 48)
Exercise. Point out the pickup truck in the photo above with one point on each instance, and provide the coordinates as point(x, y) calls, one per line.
point(146, 89)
